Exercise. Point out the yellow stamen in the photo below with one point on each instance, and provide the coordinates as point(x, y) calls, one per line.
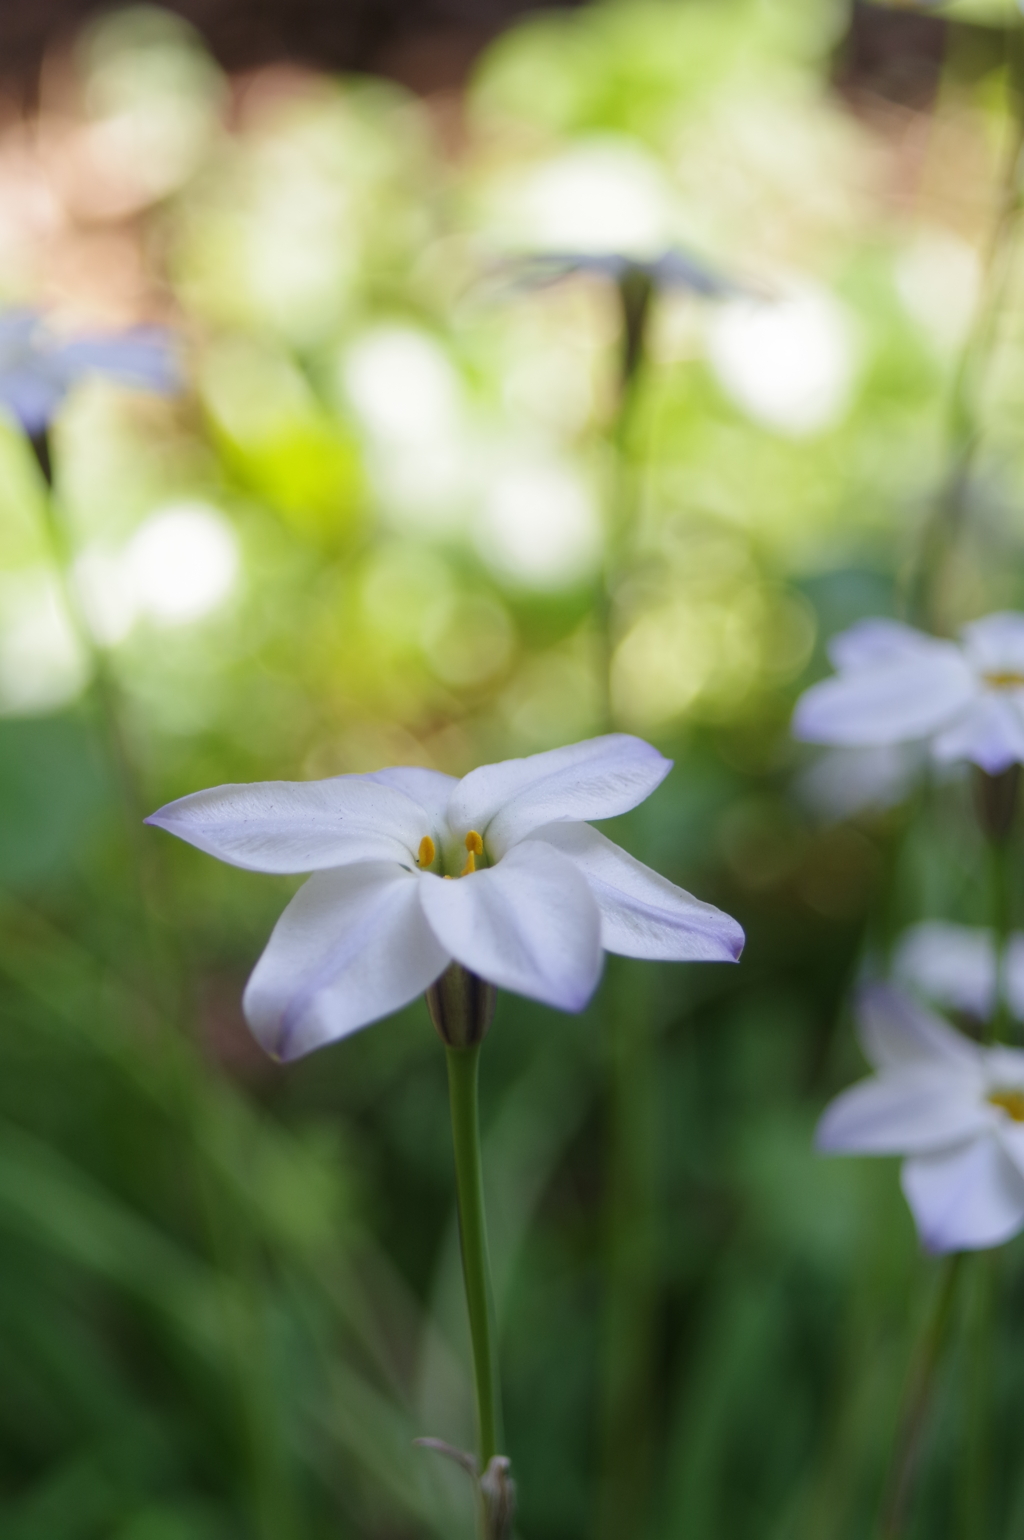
point(475, 846)
point(1011, 1102)
point(1008, 679)
point(427, 851)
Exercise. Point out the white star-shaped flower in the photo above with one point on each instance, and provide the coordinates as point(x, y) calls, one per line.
point(537, 894)
point(898, 685)
point(953, 1108)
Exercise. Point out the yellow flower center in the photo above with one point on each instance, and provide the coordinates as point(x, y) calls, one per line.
point(474, 848)
point(1010, 1101)
point(1005, 679)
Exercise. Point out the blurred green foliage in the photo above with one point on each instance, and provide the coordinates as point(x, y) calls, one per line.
point(230, 1293)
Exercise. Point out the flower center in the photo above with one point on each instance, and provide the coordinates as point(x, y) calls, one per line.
point(1010, 1101)
point(1004, 679)
point(428, 854)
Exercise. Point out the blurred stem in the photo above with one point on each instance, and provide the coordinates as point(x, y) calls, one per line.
point(630, 1305)
point(463, 1079)
point(976, 1467)
point(916, 1402)
point(927, 599)
point(995, 802)
point(999, 878)
point(629, 1281)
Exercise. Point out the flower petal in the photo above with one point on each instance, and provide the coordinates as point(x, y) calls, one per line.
point(874, 641)
point(598, 778)
point(896, 1032)
point(298, 826)
point(996, 643)
point(642, 913)
point(990, 733)
point(926, 1108)
point(430, 788)
point(891, 701)
point(352, 946)
point(528, 924)
point(965, 1198)
point(954, 965)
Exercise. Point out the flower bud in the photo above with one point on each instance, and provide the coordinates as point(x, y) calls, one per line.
point(461, 1006)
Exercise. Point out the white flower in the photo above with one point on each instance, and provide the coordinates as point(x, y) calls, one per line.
point(955, 967)
point(898, 685)
point(953, 1108)
point(37, 368)
point(380, 921)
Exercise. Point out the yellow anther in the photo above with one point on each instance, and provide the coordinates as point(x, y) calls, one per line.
point(470, 865)
point(427, 851)
point(474, 844)
point(1011, 1101)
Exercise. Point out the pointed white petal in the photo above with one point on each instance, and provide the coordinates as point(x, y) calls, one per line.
point(895, 1032)
point(894, 701)
point(528, 924)
point(595, 779)
point(430, 788)
point(990, 733)
point(876, 641)
point(954, 965)
point(299, 826)
point(642, 913)
point(966, 1198)
point(352, 946)
point(906, 1113)
point(996, 643)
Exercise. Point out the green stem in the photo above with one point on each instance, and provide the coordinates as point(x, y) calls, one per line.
point(914, 1411)
point(463, 1073)
point(976, 1467)
point(942, 530)
point(999, 879)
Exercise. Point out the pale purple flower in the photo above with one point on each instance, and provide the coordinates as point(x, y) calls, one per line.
point(952, 1108)
point(954, 966)
point(38, 368)
point(380, 920)
point(897, 685)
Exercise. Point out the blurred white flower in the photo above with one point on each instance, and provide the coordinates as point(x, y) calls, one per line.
point(899, 685)
point(954, 1109)
point(843, 782)
point(955, 966)
point(379, 922)
point(182, 563)
point(788, 363)
point(539, 525)
point(408, 396)
point(938, 278)
point(603, 194)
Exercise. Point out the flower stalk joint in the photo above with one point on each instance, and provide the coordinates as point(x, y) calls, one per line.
point(461, 1006)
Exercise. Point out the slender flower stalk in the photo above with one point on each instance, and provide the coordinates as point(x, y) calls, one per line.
point(926, 597)
point(463, 1077)
point(899, 1488)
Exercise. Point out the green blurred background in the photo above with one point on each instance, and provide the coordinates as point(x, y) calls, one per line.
point(374, 529)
